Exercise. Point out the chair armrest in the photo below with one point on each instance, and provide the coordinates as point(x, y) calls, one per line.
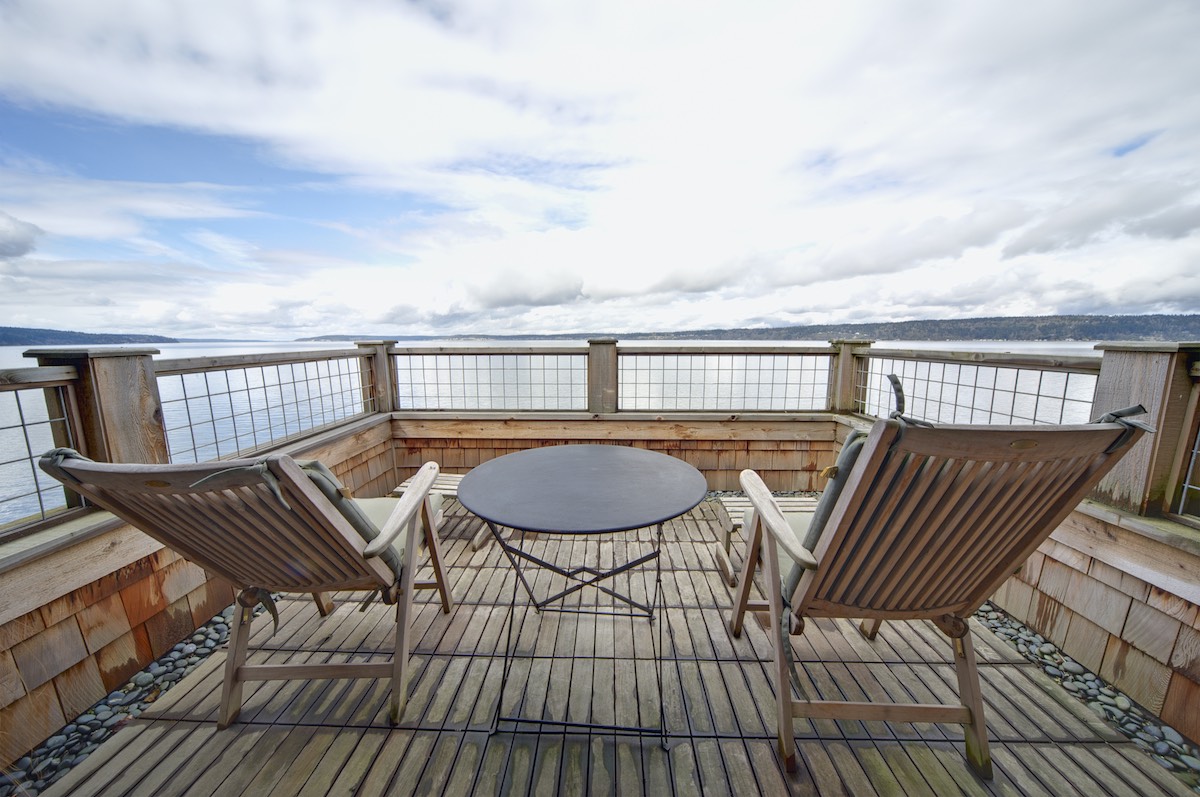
point(773, 520)
point(405, 511)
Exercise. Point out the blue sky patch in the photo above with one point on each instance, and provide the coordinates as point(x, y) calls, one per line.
point(1134, 144)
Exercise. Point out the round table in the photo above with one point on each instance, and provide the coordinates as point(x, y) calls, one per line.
point(582, 489)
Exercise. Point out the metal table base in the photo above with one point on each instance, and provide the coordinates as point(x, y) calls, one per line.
point(584, 576)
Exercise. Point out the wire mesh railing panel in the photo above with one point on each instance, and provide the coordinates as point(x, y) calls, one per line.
point(219, 413)
point(719, 381)
point(486, 381)
point(1189, 497)
point(949, 392)
point(30, 425)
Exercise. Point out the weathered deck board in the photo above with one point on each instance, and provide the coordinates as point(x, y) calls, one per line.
point(332, 737)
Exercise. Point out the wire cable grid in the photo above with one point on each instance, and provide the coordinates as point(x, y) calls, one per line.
point(734, 382)
point(208, 415)
point(941, 392)
point(1189, 497)
point(491, 381)
point(27, 430)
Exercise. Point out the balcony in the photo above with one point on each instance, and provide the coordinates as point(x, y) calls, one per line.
point(89, 602)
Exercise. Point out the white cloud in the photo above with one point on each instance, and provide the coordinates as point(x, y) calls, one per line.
point(622, 166)
point(17, 237)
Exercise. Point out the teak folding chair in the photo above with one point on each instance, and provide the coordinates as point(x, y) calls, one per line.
point(276, 525)
point(928, 524)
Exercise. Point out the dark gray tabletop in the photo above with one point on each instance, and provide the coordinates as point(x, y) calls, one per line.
point(582, 489)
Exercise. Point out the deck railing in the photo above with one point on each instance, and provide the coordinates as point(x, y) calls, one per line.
point(125, 406)
point(726, 379)
point(511, 378)
point(1189, 490)
point(215, 407)
point(38, 411)
point(980, 388)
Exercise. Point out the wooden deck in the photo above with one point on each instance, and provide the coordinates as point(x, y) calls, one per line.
point(332, 737)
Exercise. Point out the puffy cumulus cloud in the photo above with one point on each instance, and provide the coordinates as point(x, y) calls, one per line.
point(17, 238)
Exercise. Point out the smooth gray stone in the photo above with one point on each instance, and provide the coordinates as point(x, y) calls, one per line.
point(1171, 735)
point(1073, 667)
point(1191, 761)
point(55, 742)
point(143, 679)
point(1047, 648)
point(1123, 703)
point(1162, 748)
point(1052, 671)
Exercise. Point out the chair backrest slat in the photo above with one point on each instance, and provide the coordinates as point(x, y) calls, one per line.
point(933, 520)
point(234, 525)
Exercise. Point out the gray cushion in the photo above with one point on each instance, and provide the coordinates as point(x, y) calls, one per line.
point(808, 527)
point(829, 496)
point(365, 515)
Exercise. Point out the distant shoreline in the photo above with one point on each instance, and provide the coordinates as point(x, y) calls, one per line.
point(1058, 328)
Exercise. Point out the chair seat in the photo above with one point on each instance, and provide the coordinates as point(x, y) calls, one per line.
point(378, 510)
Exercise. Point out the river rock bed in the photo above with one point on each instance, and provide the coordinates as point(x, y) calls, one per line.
point(55, 757)
point(1165, 745)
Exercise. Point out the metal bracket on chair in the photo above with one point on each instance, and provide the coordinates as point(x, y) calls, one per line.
point(952, 626)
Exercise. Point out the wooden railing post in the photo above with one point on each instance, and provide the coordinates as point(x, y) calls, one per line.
point(1156, 375)
point(378, 381)
point(119, 406)
point(842, 372)
point(602, 375)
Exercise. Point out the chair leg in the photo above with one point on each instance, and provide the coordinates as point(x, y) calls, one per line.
point(482, 538)
point(325, 605)
point(741, 596)
point(971, 696)
point(783, 682)
point(399, 696)
point(434, 542)
point(231, 689)
point(869, 628)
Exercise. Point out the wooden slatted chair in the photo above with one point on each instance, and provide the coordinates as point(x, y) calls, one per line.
point(929, 523)
point(277, 525)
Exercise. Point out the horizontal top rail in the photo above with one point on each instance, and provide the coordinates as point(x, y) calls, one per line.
point(700, 348)
point(30, 378)
point(579, 348)
point(192, 365)
point(1044, 362)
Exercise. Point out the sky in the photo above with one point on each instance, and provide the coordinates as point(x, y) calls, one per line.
point(278, 169)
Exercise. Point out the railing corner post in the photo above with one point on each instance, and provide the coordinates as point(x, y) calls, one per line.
point(378, 381)
point(1157, 376)
point(120, 407)
point(842, 373)
point(602, 375)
